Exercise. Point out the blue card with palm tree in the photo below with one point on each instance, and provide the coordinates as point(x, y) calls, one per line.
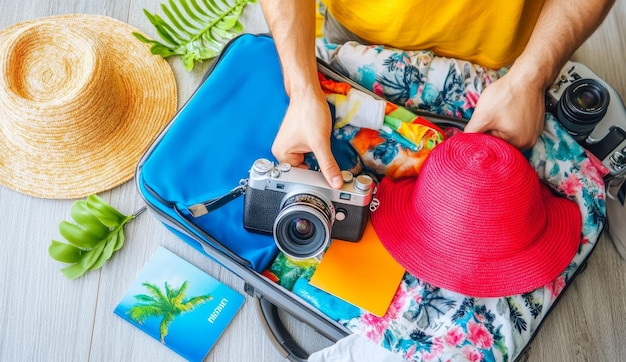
point(179, 305)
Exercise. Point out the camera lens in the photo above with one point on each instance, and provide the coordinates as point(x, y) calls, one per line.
point(302, 227)
point(583, 105)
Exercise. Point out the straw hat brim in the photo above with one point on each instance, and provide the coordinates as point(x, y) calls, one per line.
point(77, 169)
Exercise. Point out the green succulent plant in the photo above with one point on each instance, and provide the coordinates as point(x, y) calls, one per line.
point(195, 29)
point(97, 233)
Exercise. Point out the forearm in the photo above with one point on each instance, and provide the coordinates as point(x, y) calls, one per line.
point(292, 24)
point(513, 108)
point(561, 28)
point(307, 123)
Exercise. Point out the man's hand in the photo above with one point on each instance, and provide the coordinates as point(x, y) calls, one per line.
point(307, 124)
point(511, 108)
point(306, 128)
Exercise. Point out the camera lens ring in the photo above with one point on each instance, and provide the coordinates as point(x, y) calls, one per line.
point(301, 248)
point(313, 208)
point(583, 104)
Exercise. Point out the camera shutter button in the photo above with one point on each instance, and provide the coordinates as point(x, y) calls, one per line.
point(283, 167)
point(275, 173)
point(363, 183)
point(347, 176)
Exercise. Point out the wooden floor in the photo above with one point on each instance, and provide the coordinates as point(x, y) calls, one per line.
point(45, 317)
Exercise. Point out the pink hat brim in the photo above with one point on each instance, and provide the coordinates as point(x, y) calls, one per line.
point(467, 271)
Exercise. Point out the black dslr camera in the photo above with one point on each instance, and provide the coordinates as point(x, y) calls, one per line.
point(592, 112)
point(301, 210)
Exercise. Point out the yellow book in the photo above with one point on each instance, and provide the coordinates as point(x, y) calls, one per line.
point(361, 273)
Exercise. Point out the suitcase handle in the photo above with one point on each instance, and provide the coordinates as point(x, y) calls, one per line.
point(282, 340)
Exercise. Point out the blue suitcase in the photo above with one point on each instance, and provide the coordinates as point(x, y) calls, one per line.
point(193, 175)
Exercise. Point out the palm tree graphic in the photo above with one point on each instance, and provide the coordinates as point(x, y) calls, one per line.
point(165, 304)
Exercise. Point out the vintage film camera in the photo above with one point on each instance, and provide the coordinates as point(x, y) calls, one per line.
point(592, 112)
point(301, 210)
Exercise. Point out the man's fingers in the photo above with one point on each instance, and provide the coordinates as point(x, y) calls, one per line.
point(294, 159)
point(477, 125)
point(329, 168)
point(512, 138)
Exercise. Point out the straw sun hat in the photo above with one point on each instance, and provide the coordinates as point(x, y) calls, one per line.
point(477, 220)
point(80, 101)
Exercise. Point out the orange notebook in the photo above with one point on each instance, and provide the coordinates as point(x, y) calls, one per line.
point(361, 273)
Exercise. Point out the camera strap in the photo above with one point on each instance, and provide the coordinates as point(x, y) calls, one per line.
point(205, 207)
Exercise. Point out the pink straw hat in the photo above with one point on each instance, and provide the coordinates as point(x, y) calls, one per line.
point(477, 220)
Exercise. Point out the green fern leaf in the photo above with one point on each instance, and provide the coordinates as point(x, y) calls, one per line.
point(97, 232)
point(195, 30)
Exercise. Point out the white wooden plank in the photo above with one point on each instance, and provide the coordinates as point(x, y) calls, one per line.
point(45, 317)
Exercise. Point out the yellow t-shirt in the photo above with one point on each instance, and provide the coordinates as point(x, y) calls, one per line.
point(490, 33)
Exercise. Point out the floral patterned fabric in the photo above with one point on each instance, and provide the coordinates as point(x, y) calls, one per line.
point(424, 322)
point(395, 145)
point(418, 80)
